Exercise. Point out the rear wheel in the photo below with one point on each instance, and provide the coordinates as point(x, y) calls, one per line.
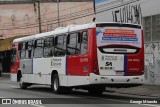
point(22, 84)
point(55, 84)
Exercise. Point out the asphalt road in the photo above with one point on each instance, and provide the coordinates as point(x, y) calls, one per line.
point(77, 98)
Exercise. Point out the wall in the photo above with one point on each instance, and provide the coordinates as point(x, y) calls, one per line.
point(152, 63)
point(22, 19)
point(127, 11)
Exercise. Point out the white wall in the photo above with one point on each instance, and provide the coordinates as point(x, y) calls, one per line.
point(126, 9)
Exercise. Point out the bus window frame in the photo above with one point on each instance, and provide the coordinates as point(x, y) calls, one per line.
point(21, 49)
point(86, 43)
point(52, 46)
point(78, 41)
point(56, 43)
point(42, 40)
point(27, 49)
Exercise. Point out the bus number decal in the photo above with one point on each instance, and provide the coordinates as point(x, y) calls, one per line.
point(84, 60)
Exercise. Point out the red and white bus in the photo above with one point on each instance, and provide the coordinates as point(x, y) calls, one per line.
point(90, 56)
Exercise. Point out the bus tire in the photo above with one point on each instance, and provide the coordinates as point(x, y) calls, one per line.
point(96, 91)
point(55, 84)
point(22, 84)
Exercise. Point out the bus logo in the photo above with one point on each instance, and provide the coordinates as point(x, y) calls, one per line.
point(108, 63)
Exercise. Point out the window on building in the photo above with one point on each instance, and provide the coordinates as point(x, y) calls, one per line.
point(152, 28)
point(38, 48)
point(48, 47)
point(84, 43)
point(73, 44)
point(147, 29)
point(60, 45)
point(156, 27)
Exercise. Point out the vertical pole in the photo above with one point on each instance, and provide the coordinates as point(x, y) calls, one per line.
point(58, 13)
point(39, 16)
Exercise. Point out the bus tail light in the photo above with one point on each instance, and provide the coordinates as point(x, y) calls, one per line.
point(96, 68)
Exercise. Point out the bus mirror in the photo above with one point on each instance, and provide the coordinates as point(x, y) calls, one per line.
point(56, 41)
point(35, 43)
point(68, 39)
point(79, 37)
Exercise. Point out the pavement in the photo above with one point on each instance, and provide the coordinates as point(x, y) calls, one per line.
point(143, 90)
point(5, 75)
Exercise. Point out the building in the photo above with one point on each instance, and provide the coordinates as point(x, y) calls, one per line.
point(19, 18)
point(22, 18)
point(145, 12)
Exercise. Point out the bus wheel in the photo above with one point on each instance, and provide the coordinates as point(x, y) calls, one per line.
point(96, 91)
point(55, 84)
point(22, 84)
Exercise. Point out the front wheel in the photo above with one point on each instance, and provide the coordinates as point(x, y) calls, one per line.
point(22, 84)
point(55, 84)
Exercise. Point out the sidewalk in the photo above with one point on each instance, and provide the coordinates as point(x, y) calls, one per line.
point(144, 90)
point(5, 75)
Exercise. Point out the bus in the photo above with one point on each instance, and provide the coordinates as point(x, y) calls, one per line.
point(89, 56)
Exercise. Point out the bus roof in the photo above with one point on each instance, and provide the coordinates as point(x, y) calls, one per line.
point(61, 30)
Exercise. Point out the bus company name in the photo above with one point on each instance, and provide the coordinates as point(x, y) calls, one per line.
point(56, 62)
point(109, 58)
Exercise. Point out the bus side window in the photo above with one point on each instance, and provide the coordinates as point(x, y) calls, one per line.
point(29, 49)
point(38, 48)
point(60, 45)
point(19, 50)
point(48, 47)
point(84, 43)
point(73, 44)
point(23, 51)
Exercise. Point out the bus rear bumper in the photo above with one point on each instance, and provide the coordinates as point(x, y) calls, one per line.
point(99, 79)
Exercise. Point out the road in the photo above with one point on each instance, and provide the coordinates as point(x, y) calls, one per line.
point(77, 98)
